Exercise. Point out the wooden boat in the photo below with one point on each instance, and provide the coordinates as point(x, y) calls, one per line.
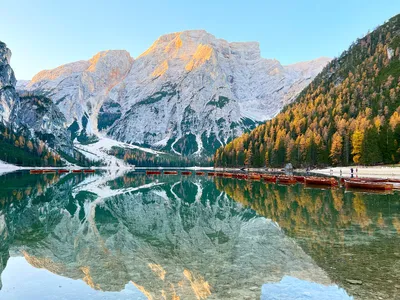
point(49, 171)
point(299, 178)
point(320, 181)
point(211, 173)
point(254, 176)
point(368, 185)
point(220, 174)
point(88, 171)
point(170, 172)
point(239, 175)
point(287, 180)
point(395, 182)
point(62, 171)
point(369, 179)
point(186, 172)
point(36, 171)
point(200, 173)
point(228, 175)
point(76, 171)
point(269, 178)
point(392, 180)
point(153, 172)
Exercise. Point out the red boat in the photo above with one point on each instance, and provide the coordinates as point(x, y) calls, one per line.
point(88, 171)
point(299, 178)
point(228, 175)
point(76, 171)
point(200, 173)
point(211, 173)
point(61, 171)
point(393, 180)
point(242, 176)
point(287, 180)
point(150, 172)
point(219, 174)
point(36, 171)
point(321, 181)
point(170, 172)
point(269, 178)
point(186, 173)
point(254, 176)
point(368, 185)
point(49, 171)
point(342, 180)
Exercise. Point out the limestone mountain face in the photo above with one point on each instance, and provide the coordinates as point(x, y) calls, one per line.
point(45, 120)
point(80, 88)
point(8, 96)
point(36, 117)
point(188, 93)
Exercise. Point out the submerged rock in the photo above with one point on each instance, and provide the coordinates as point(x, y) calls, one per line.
point(354, 281)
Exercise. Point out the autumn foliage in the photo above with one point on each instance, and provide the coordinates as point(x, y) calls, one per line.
point(349, 113)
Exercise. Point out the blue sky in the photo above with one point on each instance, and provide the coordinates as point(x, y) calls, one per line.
point(44, 34)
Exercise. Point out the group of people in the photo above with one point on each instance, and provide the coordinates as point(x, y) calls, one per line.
point(351, 172)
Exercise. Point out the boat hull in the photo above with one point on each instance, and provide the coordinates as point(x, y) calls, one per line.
point(287, 180)
point(366, 185)
point(170, 172)
point(320, 181)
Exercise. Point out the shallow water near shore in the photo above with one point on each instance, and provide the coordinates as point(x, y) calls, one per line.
point(125, 235)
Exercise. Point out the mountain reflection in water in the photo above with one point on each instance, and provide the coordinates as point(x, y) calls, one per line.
point(192, 237)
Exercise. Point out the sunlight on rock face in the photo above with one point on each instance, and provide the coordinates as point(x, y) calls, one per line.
point(88, 279)
point(200, 287)
point(161, 69)
point(143, 290)
point(159, 270)
point(43, 263)
point(94, 60)
point(175, 45)
point(152, 48)
point(59, 71)
point(202, 54)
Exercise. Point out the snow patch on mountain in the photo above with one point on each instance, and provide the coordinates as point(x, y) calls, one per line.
point(188, 93)
point(99, 150)
point(8, 168)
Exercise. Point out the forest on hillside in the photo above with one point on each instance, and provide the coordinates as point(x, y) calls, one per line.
point(350, 113)
point(19, 149)
point(141, 158)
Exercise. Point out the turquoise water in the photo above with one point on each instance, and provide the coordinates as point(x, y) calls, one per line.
point(131, 236)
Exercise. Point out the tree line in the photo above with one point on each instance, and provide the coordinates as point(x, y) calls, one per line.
point(145, 159)
point(19, 149)
point(350, 113)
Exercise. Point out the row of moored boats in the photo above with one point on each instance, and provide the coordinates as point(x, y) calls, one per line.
point(350, 183)
point(60, 171)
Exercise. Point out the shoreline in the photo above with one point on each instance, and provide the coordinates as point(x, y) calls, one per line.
point(363, 171)
point(375, 171)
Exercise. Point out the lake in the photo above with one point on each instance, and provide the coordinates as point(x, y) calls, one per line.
point(125, 235)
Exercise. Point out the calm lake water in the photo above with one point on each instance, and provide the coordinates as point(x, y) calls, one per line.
point(131, 236)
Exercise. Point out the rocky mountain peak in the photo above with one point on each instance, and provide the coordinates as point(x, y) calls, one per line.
point(189, 93)
point(80, 88)
point(8, 96)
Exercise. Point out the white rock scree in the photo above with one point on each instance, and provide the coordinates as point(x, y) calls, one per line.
point(189, 93)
